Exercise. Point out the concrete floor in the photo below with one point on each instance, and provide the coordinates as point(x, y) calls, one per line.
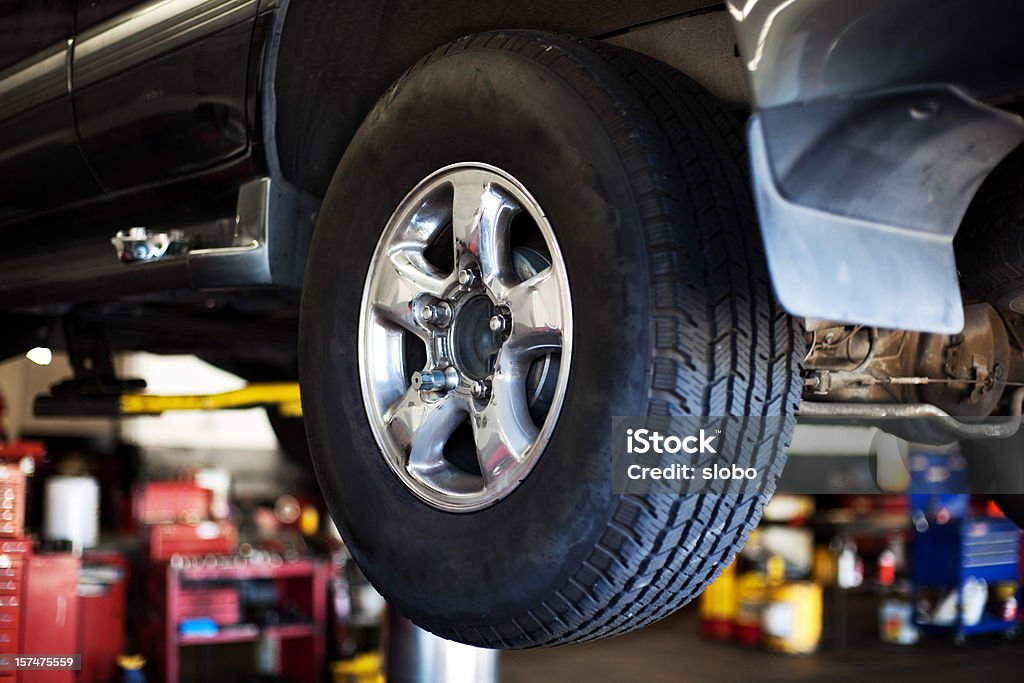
point(671, 651)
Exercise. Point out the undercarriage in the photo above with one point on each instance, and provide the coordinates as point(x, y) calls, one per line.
point(965, 374)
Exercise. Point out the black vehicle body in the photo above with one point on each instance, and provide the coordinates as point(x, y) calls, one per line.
point(161, 114)
point(166, 114)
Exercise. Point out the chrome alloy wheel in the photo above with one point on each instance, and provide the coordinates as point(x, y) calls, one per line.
point(465, 337)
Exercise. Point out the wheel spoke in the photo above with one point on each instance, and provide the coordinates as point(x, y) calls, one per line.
point(502, 429)
point(420, 427)
point(481, 217)
point(493, 335)
point(538, 311)
point(408, 276)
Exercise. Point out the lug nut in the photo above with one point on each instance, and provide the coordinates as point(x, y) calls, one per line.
point(499, 323)
point(439, 314)
point(481, 389)
point(435, 380)
point(427, 381)
point(468, 277)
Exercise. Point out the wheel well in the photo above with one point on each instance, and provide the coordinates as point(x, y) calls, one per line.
point(334, 59)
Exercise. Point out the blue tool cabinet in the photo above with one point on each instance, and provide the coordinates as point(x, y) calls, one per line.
point(945, 556)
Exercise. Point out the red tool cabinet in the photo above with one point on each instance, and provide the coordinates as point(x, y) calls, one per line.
point(38, 608)
point(50, 616)
point(208, 537)
point(12, 501)
point(302, 583)
point(13, 554)
point(38, 592)
point(160, 502)
point(102, 597)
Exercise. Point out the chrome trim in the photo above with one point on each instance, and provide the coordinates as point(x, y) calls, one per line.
point(149, 31)
point(113, 46)
point(272, 228)
point(263, 244)
point(34, 81)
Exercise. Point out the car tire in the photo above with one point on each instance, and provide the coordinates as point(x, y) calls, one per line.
point(643, 179)
point(989, 244)
point(291, 436)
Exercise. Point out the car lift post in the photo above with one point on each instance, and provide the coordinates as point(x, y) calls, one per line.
point(413, 655)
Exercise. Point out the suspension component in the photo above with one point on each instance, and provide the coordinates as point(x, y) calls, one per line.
point(962, 374)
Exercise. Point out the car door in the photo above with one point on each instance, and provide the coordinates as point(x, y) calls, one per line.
point(41, 166)
point(160, 87)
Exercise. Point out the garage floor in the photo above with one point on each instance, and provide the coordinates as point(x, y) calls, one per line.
point(671, 651)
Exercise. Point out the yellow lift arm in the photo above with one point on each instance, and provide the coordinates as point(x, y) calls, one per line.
point(285, 395)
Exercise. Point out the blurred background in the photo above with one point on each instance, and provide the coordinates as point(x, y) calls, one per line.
point(195, 546)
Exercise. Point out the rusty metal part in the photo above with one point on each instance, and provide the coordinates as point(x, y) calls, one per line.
point(962, 374)
point(845, 364)
point(979, 356)
point(935, 415)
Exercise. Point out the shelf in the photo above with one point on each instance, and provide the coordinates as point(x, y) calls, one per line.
point(289, 631)
point(241, 571)
point(247, 633)
point(986, 625)
point(235, 634)
point(300, 583)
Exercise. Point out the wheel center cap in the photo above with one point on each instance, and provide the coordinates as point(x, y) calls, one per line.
point(474, 344)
